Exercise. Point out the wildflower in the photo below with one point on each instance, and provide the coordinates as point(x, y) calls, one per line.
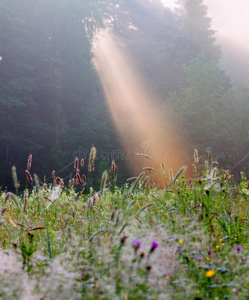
point(217, 246)
point(238, 247)
point(180, 241)
point(148, 268)
point(210, 273)
point(142, 254)
point(7, 197)
point(154, 245)
point(208, 258)
point(45, 186)
point(179, 249)
point(3, 210)
point(123, 239)
point(167, 277)
point(136, 244)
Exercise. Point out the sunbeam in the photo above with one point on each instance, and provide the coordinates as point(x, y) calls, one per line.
point(134, 114)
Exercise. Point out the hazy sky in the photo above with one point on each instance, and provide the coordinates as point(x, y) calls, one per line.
point(230, 19)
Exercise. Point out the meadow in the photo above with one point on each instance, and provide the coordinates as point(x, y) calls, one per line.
point(189, 239)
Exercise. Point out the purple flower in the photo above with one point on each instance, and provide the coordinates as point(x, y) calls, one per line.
point(136, 244)
point(238, 247)
point(154, 245)
point(179, 249)
point(198, 257)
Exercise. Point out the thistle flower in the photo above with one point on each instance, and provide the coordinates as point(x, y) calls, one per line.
point(7, 197)
point(136, 244)
point(238, 247)
point(29, 163)
point(123, 239)
point(3, 210)
point(154, 245)
point(29, 177)
point(148, 268)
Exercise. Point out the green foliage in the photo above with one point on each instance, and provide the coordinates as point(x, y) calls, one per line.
point(107, 244)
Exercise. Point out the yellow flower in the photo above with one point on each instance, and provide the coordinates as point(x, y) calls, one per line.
point(217, 247)
point(208, 258)
point(235, 238)
point(220, 240)
point(210, 273)
point(167, 277)
point(180, 241)
point(223, 244)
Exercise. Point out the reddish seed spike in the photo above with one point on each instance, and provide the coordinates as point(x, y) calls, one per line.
point(79, 178)
point(84, 179)
point(58, 179)
point(53, 174)
point(29, 177)
point(82, 162)
point(76, 163)
point(7, 197)
point(113, 166)
point(29, 162)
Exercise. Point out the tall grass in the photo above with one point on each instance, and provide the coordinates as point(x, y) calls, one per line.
point(135, 242)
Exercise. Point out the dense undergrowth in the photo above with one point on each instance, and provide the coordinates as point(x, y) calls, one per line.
point(136, 242)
